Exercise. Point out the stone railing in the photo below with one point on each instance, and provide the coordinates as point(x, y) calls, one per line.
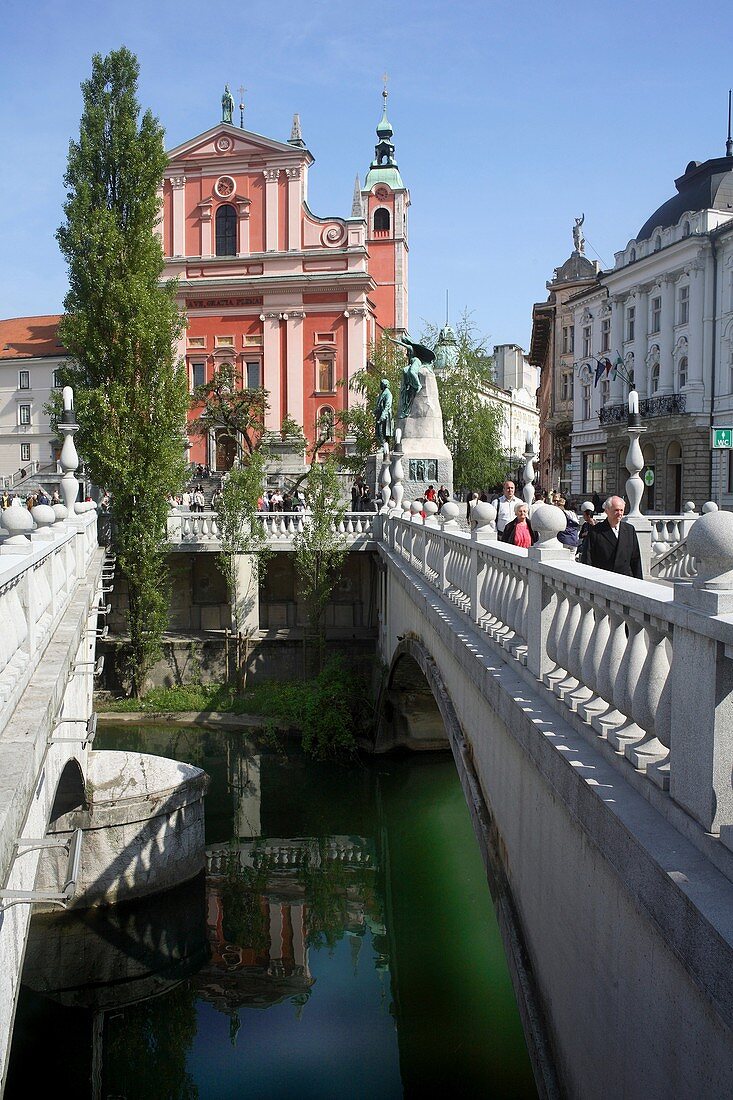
point(41, 564)
point(646, 668)
point(201, 529)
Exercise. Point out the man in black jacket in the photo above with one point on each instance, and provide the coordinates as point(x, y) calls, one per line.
point(612, 544)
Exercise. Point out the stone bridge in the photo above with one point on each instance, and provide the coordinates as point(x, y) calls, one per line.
point(591, 720)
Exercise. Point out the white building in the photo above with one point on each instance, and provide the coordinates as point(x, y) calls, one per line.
point(665, 311)
point(30, 356)
point(516, 382)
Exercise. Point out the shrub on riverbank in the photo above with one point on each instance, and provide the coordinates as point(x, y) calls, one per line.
point(331, 710)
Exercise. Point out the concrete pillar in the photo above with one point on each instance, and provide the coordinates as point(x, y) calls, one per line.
point(271, 212)
point(178, 183)
point(271, 368)
point(246, 609)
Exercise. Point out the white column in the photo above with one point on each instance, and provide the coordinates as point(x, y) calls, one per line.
point(243, 206)
point(618, 386)
point(293, 175)
point(178, 183)
point(271, 369)
point(355, 344)
point(641, 322)
point(205, 213)
point(294, 365)
point(695, 384)
point(271, 211)
point(666, 336)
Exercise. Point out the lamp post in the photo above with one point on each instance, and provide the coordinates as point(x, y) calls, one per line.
point(634, 457)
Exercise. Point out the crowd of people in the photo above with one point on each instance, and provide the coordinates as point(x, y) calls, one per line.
point(29, 500)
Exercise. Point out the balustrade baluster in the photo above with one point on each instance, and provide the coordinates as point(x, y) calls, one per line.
point(591, 663)
point(581, 644)
point(554, 634)
point(629, 672)
point(651, 704)
point(608, 672)
point(566, 643)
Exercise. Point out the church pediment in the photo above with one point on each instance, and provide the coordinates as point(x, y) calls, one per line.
point(227, 141)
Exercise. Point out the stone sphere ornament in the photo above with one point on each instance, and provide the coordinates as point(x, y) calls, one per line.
point(44, 516)
point(60, 511)
point(17, 522)
point(548, 521)
point(710, 542)
point(483, 514)
point(449, 513)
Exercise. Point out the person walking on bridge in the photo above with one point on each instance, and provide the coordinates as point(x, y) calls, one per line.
point(613, 545)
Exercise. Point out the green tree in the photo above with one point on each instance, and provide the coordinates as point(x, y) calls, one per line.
point(472, 421)
point(224, 403)
point(357, 423)
point(320, 550)
point(120, 326)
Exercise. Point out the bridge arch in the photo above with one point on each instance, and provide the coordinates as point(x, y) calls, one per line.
point(414, 709)
point(70, 792)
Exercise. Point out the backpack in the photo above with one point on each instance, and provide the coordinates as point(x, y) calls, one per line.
point(570, 536)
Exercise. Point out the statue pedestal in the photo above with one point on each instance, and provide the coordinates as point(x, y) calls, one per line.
point(426, 459)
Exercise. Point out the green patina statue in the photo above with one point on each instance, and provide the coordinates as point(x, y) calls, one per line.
point(227, 105)
point(417, 356)
point(383, 419)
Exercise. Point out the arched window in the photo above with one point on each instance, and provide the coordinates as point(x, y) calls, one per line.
point(381, 219)
point(682, 372)
point(655, 377)
point(657, 243)
point(685, 229)
point(226, 230)
point(325, 423)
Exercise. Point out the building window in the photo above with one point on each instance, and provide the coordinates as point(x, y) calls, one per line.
point(654, 379)
point(605, 392)
point(566, 386)
point(606, 334)
point(567, 339)
point(683, 305)
point(630, 322)
point(587, 331)
point(24, 380)
point(226, 231)
point(25, 452)
point(682, 372)
point(56, 380)
point(381, 220)
point(656, 314)
point(594, 472)
point(253, 376)
point(24, 414)
point(325, 375)
point(586, 401)
point(198, 374)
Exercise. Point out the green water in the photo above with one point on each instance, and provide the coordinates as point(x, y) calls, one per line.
point(354, 952)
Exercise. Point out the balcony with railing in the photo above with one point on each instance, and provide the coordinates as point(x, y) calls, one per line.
point(668, 404)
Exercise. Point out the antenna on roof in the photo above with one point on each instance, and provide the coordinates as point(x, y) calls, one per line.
point(729, 142)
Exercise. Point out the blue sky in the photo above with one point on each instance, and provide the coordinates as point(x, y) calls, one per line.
point(510, 119)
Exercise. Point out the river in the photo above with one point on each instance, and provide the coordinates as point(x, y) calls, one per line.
point(342, 945)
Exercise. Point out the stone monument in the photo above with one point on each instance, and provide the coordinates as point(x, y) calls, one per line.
point(425, 458)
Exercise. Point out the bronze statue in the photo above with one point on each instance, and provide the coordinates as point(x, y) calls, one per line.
point(227, 105)
point(417, 355)
point(383, 419)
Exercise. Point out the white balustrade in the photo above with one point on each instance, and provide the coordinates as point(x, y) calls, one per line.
point(623, 655)
point(280, 528)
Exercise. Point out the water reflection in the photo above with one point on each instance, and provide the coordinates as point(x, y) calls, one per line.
point(348, 906)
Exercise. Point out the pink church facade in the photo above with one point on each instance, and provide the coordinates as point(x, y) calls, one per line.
point(293, 300)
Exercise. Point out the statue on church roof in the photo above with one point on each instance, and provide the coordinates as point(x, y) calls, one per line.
point(578, 238)
point(227, 105)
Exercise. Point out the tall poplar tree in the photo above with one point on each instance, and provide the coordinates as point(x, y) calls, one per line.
point(120, 326)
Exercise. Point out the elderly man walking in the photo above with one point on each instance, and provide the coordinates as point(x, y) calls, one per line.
point(612, 544)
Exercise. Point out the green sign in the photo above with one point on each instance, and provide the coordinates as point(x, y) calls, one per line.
point(649, 477)
point(722, 439)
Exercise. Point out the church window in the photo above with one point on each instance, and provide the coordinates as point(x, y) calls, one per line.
point(226, 230)
point(381, 220)
point(198, 374)
point(325, 375)
point(253, 376)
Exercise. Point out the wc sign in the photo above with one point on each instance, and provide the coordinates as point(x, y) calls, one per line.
point(722, 439)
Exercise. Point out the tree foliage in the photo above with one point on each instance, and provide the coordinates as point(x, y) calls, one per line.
point(243, 534)
point(319, 548)
point(472, 422)
point(120, 326)
point(225, 404)
point(357, 423)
